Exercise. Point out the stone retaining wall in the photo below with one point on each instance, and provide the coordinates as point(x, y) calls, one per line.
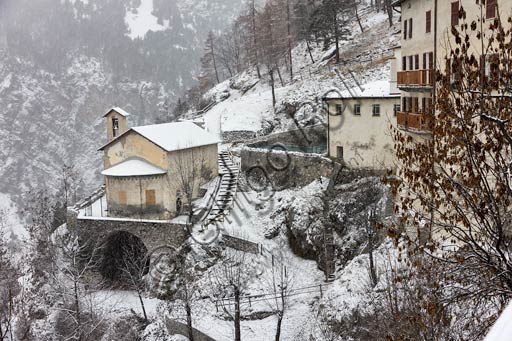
point(293, 169)
point(306, 137)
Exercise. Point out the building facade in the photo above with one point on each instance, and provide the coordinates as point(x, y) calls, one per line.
point(152, 171)
point(426, 42)
point(359, 125)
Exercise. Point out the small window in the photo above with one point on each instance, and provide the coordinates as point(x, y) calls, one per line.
point(376, 110)
point(490, 10)
point(417, 62)
point(357, 109)
point(339, 152)
point(410, 28)
point(396, 109)
point(150, 197)
point(404, 63)
point(339, 109)
point(406, 22)
point(455, 13)
point(428, 20)
point(115, 127)
point(121, 197)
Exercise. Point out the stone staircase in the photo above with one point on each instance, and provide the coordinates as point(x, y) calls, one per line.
point(226, 192)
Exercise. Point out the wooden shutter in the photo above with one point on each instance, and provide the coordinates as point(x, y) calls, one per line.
point(150, 197)
point(490, 11)
point(455, 13)
point(121, 197)
point(410, 28)
point(428, 20)
point(405, 29)
point(404, 63)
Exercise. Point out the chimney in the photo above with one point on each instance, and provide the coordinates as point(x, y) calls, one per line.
point(115, 119)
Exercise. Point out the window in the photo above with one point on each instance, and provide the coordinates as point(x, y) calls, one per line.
point(339, 152)
point(115, 127)
point(490, 68)
point(455, 13)
point(357, 109)
point(339, 109)
point(415, 104)
point(406, 22)
point(150, 197)
point(404, 63)
point(490, 10)
point(431, 60)
point(417, 62)
point(396, 109)
point(410, 28)
point(376, 110)
point(411, 63)
point(428, 20)
point(121, 197)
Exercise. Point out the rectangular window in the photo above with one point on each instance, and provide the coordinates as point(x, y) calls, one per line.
point(417, 62)
point(428, 20)
point(415, 104)
point(431, 61)
point(404, 103)
point(150, 197)
point(339, 152)
point(411, 63)
point(376, 110)
point(115, 126)
point(357, 109)
point(404, 63)
point(121, 197)
point(339, 109)
point(410, 28)
point(406, 22)
point(424, 104)
point(490, 10)
point(396, 109)
point(455, 13)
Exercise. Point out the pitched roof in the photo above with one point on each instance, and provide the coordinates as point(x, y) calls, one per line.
point(133, 167)
point(118, 110)
point(173, 136)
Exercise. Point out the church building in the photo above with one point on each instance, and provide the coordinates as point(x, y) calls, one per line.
point(152, 172)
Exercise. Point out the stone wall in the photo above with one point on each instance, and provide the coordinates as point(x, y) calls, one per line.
point(306, 137)
point(241, 244)
point(152, 233)
point(286, 170)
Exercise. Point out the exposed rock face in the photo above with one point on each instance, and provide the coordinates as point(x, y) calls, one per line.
point(305, 214)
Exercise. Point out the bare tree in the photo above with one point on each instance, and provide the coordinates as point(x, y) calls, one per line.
point(134, 269)
point(279, 281)
point(230, 279)
point(78, 318)
point(191, 171)
point(9, 286)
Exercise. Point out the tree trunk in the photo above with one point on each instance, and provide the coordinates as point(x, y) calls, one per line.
point(255, 47)
point(271, 72)
point(279, 322)
point(142, 306)
point(289, 38)
point(336, 36)
point(214, 63)
point(359, 20)
point(309, 51)
point(279, 74)
point(389, 9)
point(237, 315)
point(77, 311)
point(189, 321)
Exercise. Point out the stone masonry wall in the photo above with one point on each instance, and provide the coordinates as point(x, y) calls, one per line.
point(285, 170)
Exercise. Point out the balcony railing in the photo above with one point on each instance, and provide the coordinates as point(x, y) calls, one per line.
point(414, 121)
point(415, 78)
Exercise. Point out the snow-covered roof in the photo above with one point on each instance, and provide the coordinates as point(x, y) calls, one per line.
point(377, 89)
point(118, 110)
point(133, 167)
point(173, 136)
point(177, 135)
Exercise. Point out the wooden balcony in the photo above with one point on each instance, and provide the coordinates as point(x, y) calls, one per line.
point(414, 121)
point(417, 78)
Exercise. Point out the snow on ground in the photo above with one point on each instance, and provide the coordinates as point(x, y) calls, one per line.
point(10, 222)
point(141, 20)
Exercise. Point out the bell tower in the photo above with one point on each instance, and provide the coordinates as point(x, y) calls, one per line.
point(115, 120)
